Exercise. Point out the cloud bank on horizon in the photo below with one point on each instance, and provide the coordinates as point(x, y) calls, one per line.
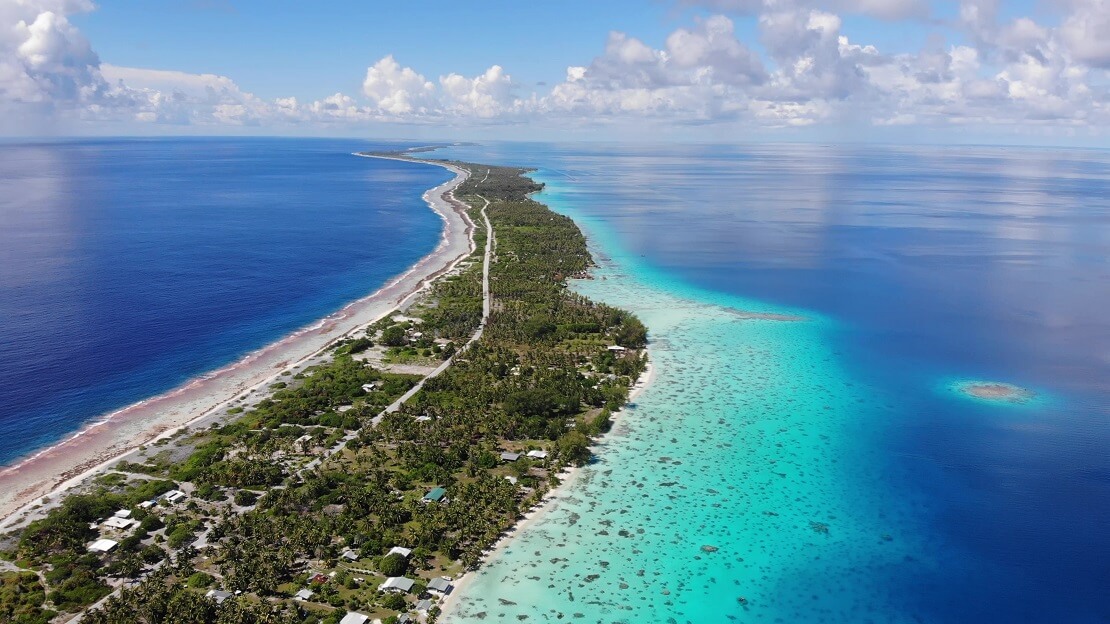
point(803, 72)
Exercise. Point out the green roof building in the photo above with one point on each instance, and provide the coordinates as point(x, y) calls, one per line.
point(436, 495)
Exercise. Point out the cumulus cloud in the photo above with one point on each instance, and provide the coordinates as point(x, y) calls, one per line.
point(1016, 72)
point(801, 69)
point(45, 63)
point(398, 90)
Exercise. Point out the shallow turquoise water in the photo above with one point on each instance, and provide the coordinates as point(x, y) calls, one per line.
point(742, 472)
point(918, 270)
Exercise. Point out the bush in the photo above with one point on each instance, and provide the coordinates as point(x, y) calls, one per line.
point(393, 565)
point(246, 498)
point(394, 601)
point(574, 448)
point(393, 336)
point(358, 345)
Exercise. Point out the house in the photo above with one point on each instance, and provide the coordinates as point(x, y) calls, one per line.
point(122, 513)
point(369, 387)
point(537, 454)
point(510, 457)
point(424, 606)
point(349, 555)
point(174, 495)
point(218, 595)
point(511, 479)
point(405, 618)
point(354, 618)
point(103, 546)
point(397, 584)
point(437, 495)
point(319, 579)
point(302, 595)
point(616, 348)
point(146, 504)
point(440, 585)
point(399, 550)
point(118, 523)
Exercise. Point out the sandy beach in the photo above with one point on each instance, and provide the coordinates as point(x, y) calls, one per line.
point(205, 400)
point(534, 515)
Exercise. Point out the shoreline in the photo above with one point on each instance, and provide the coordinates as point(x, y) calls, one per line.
point(201, 401)
point(539, 511)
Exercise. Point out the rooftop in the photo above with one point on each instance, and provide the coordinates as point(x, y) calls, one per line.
point(117, 522)
point(397, 583)
point(103, 545)
point(354, 618)
point(399, 550)
point(440, 584)
point(436, 494)
point(218, 595)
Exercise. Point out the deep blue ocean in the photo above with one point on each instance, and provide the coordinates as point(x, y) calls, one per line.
point(863, 487)
point(130, 266)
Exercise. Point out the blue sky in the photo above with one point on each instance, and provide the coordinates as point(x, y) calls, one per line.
point(991, 70)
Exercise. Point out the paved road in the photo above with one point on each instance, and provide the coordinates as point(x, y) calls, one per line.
point(396, 405)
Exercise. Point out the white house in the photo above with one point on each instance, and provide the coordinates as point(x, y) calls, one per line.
point(440, 585)
point(218, 596)
point(118, 523)
point(354, 618)
point(174, 495)
point(303, 594)
point(397, 584)
point(123, 513)
point(399, 550)
point(537, 454)
point(103, 546)
point(509, 457)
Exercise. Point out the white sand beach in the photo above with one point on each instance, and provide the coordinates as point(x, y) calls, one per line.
point(536, 514)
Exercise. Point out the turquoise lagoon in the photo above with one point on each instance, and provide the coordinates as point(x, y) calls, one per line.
point(830, 469)
point(741, 485)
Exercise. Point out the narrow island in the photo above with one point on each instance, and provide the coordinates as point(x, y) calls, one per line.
point(363, 484)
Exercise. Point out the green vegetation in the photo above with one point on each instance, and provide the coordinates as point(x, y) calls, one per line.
point(541, 377)
point(21, 599)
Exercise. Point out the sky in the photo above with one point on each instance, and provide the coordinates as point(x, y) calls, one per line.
point(989, 71)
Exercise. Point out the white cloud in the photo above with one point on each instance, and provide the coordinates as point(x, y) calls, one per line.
point(45, 63)
point(397, 90)
point(1086, 32)
point(805, 70)
point(1017, 73)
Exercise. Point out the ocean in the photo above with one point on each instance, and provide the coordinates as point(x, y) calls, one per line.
point(830, 469)
point(821, 469)
point(129, 266)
